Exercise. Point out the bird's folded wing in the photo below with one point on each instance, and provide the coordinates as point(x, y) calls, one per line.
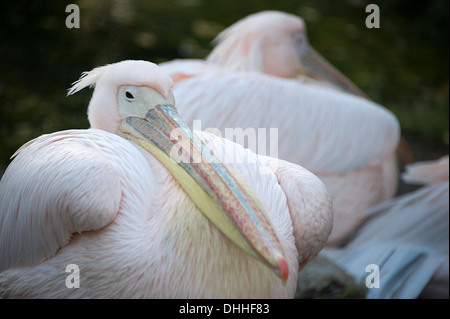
point(406, 237)
point(58, 184)
point(310, 206)
point(321, 129)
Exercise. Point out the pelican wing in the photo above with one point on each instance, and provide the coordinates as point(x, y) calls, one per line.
point(323, 130)
point(407, 240)
point(309, 205)
point(406, 237)
point(57, 185)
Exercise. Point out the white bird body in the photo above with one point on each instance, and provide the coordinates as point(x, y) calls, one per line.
point(347, 141)
point(96, 200)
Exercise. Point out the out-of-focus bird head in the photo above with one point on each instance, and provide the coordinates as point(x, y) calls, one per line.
point(275, 43)
point(268, 42)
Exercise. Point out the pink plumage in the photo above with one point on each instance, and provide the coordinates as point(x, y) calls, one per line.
point(99, 201)
point(250, 80)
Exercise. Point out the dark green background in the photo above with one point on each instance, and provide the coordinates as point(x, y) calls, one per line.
point(403, 65)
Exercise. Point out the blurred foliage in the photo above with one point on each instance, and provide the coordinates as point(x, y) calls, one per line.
point(403, 65)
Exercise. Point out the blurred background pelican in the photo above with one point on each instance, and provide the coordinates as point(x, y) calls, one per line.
point(264, 73)
point(402, 66)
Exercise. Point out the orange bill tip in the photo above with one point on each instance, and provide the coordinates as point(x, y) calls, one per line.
point(283, 268)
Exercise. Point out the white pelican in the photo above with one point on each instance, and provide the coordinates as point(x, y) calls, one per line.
point(112, 201)
point(407, 238)
point(247, 82)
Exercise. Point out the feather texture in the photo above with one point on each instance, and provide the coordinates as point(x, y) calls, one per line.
point(156, 246)
point(250, 81)
point(407, 238)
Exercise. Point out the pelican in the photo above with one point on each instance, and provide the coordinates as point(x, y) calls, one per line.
point(145, 208)
point(263, 73)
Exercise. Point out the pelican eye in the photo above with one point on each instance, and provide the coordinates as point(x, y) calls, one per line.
point(129, 95)
point(301, 41)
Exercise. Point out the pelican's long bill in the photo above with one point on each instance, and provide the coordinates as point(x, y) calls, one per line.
point(314, 66)
point(216, 192)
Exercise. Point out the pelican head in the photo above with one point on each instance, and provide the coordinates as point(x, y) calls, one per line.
point(134, 100)
point(275, 43)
